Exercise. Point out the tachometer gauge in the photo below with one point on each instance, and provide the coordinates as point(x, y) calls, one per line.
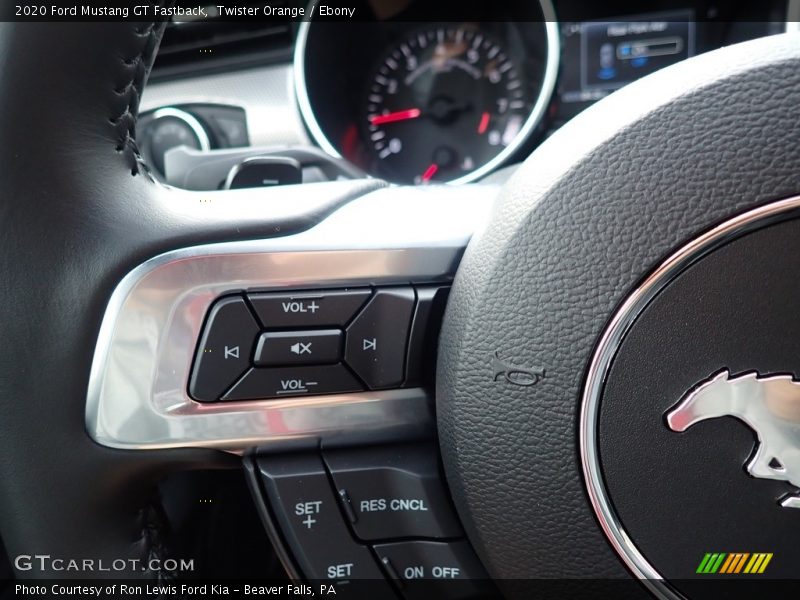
point(416, 102)
point(442, 103)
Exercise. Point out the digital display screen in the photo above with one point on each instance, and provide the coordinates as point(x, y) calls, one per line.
point(602, 56)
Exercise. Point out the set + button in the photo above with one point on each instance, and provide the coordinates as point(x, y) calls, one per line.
point(298, 488)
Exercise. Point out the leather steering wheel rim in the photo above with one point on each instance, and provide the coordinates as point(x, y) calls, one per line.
point(79, 211)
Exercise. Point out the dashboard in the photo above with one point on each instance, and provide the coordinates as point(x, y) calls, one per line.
point(414, 101)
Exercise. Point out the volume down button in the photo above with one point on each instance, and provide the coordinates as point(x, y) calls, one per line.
point(293, 381)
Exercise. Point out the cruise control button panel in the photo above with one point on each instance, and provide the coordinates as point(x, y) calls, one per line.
point(393, 492)
point(270, 345)
point(371, 515)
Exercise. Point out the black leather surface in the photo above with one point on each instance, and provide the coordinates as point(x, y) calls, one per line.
point(77, 212)
point(589, 214)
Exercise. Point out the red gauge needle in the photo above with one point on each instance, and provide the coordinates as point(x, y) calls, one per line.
point(430, 172)
point(484, 124)
point(400, 115)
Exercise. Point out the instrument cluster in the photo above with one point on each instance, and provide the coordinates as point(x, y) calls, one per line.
point(416, 102)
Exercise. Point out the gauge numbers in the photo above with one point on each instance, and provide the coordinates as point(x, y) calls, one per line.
point(442, 103)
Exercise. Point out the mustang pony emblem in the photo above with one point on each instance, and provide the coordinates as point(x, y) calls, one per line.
point(769, 405)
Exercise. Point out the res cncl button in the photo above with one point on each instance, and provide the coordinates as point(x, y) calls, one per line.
point(393, 492)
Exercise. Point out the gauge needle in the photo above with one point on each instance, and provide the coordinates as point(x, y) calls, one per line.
point(484, 124)
point(430, 172)
point(400, 115)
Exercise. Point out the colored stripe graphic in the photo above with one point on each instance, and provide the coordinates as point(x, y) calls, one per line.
point(727, 564)
point(703, 564)
point(758, 563)
point(740, 564)
point(753, 564)
point(764, 564)
point(717, 563)
point(711, 562)
point(734, 563)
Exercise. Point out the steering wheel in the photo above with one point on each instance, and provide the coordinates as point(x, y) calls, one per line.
point(643, 248)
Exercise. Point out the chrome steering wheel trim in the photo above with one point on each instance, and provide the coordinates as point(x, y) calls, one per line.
point(137, 396)
point(604, 355)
